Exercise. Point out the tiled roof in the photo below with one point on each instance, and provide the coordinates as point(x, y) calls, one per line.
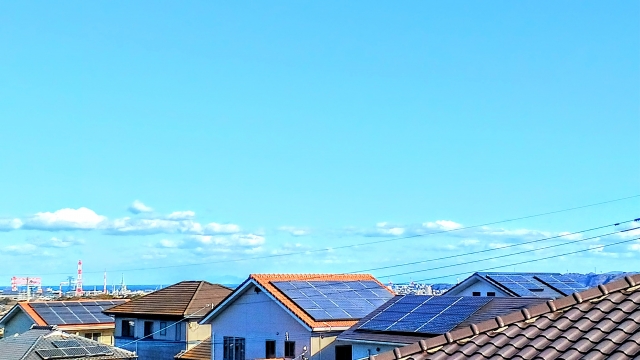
point(202, 351)
point(184, 299)
point(495, 307)
point(266, 282)
point(27, 345)
point(599, 323)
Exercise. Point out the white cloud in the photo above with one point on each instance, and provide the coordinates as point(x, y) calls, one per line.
point(65, 219)
point(498, 245)
point(170, 243)
point(129, 226)
point(138, 207)
point(444, 225)
point(215, 228)
point(218, 243)
point(10, 224)
point(294, 230)
point(468, 242)
point(181, 215)
point(56, 242)
point(23, 249)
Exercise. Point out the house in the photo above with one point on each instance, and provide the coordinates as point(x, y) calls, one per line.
point(81, 317)
point(406, 319)
point(47, 342)
point(292, 315)
point(165, 322)
point(201, 351)
point(512, 284)
point(599, 323)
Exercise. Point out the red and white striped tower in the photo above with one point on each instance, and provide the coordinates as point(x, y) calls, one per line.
point(79, 279)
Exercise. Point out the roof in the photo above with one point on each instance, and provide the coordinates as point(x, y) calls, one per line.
point(42, 343)
point(494, 307)
point(202, 351)
point(517, 284)
point(266, 283)
point(65, 314)
point(599, 323)
point(184, 299)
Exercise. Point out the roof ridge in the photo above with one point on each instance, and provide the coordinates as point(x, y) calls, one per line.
point(195, 293)
point(551, 306)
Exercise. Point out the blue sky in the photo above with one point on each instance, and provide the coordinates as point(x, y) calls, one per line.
point(153, 134)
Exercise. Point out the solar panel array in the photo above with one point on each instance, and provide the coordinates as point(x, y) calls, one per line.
point(561, 283)
point(335, 300)
point(519, 284)
point(74, 312)
point(424, 314)
point(73, 352)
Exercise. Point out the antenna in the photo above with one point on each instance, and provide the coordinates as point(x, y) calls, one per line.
point(79, 279)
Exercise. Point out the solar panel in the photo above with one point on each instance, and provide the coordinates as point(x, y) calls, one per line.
point(70, 312)
point(519, 284)
point(98, 350)
point(563, 284)
point(424, 314)
point(65, 343)
point(75, 351)
point(51, 353)
point(335, 300)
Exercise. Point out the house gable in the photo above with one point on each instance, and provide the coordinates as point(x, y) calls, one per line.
point(476, 283)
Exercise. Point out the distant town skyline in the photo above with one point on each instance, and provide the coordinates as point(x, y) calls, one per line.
point(144, 138)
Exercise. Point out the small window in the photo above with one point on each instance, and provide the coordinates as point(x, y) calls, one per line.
point(93, 336)
point(289, 349)
point(148, 329)
point(128, 328)
point(179, 331)
point(270, 349)
point(491, 293)
point(476, 293)
point(343, 352)
point(163, 328)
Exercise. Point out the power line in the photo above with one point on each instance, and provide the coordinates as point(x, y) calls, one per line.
point(358, 244)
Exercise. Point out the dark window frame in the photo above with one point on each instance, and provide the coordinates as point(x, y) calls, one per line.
point(270, 349)
point(289, 349)
point(491, 293)
point(148, 329)
point(130, 328)
point(476, 293)
point(163, 328)
point(233, 348)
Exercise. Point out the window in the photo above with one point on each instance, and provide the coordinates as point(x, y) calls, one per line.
point(128, 328)
point(289, 349)
point(148, 329)
point(491, 293)
point(270, 349)
point(233, 348)
point(163, 328)
point(476, 293)
point(343, 352)
point(93, 336)
point(179, 331)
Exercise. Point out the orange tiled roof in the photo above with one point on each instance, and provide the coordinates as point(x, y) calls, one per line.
point(26, 307)
point(265, 280)
point(599, 323)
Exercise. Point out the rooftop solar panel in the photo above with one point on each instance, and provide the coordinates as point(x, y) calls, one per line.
point(98, 350)
point(563, 284)
point(424, 314)
point(70, 312)
point(335, 300)
point(65, 343)
point(51, 353)
point(75, 351)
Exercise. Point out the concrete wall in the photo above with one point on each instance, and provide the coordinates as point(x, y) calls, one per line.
point(196, 333)
point(323, 346)
point(18, 324)
point(363, 350)
point(257, 318)
point(106, 335)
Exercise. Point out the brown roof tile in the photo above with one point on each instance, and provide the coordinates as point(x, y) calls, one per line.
point(202, 351)
point(599, 323)
point(184, 299)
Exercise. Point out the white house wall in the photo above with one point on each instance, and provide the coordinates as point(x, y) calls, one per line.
point(478, 286)
point(257, 318)
point(363, 350)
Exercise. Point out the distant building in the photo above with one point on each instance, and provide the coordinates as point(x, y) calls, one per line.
point(164, 323)
point(509, 284)
point(406, 319)
point(292, 316)
point(47, 342)
point(82, 317)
